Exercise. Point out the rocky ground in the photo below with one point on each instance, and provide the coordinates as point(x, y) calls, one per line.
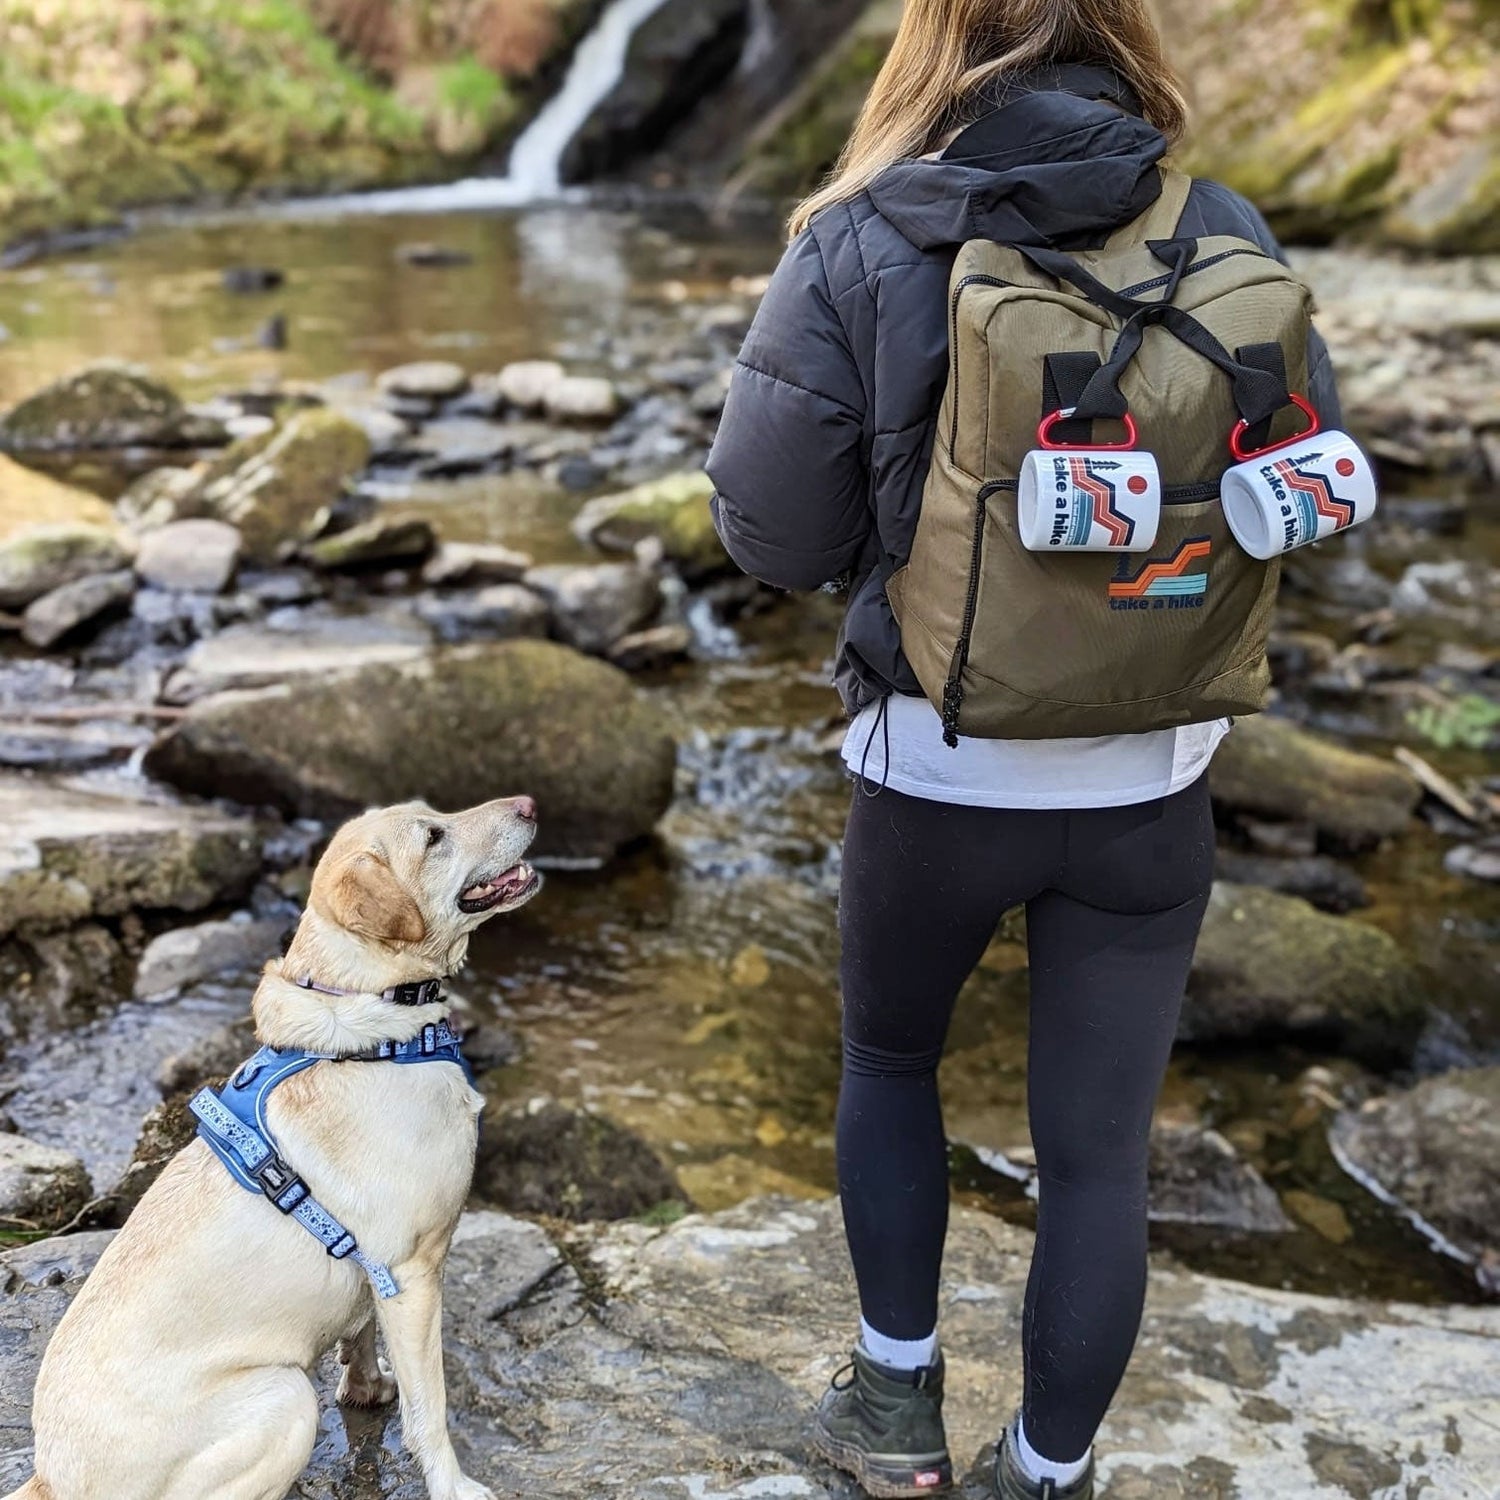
point(681, 1364)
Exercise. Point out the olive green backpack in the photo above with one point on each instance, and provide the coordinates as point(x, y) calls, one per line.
point(1012, 644)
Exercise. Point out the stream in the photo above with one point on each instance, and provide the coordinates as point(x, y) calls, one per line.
point(689, 990)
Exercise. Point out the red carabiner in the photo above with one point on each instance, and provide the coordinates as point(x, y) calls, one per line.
point(1237, 437)
point(1044, 435)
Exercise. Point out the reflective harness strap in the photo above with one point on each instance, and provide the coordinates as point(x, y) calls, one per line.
point(244, 1144)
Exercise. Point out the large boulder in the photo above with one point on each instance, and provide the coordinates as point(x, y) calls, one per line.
point(675, 56)
point(1433, 1151)
point(280, 488)
point(1270, 768)
point(681, 1363)
point(457, 728)
point(45, 558)
point(70, 852)
point(104, 406)
point(1270, 965)
point(673, 511)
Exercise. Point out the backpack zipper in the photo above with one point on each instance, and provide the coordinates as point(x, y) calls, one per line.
point(953, 689)
point(1202, 265)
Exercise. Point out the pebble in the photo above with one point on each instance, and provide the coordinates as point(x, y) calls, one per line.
point(426, 380)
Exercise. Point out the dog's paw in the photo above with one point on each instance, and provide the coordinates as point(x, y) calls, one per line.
point(361, 1386)
point(471, 1489)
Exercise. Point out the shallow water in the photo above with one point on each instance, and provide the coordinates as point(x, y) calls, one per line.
point(690, 990)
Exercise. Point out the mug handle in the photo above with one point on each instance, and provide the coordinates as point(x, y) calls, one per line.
point(1244, 455)
point(1044, 435)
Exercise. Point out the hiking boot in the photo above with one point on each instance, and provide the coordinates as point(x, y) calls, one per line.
point(885, 1427)
point(1013, 1483)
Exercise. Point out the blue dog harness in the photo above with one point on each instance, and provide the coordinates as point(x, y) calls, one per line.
point(233, 1123)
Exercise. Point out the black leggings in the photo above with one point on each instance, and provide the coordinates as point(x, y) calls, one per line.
point(1114, 901)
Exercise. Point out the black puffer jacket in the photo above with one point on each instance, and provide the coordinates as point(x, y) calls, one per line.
point(823, 452)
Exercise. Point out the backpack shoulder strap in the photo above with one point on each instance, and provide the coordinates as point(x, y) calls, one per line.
point(1160, 221)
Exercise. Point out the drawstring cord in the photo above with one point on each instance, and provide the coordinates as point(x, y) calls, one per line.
point(881, 726)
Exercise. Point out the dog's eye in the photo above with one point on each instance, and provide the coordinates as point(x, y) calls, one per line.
point(435, 837)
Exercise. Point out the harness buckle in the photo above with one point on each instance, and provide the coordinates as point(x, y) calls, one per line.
point(278, 1181)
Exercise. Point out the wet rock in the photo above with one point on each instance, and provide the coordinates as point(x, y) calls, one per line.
point(690, 1364)
point(54, 617)
point(543, 1158)
point(311, 643)
point(1271, 965)
point(388, 433)
point(428, 380)
point(1477, 861)
point(675, 56)
point(247, 279)
point(458, 446)
point(280, 489)
point(45, 558)
point(1270, 768)
point(211, 1057)
point(68, 853)
point(373, 544)
point(160, 497)
point(583, 398)
point(59, 979)
point(69, 747)
point(593, 607)
point(527, 384)
point(501, 612)
point(166, 1130)
point(460, 727)
point(429, 256)
point(194, 557)
point(1431, 1152)
point(184, 955)
point(105, 406)
point(1327, 884)
point(40, 1187)
point(1198, 1178)
point(457, 565)
point(673, 511)
point(651, 650)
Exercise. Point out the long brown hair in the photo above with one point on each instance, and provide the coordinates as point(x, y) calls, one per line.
point(946, 49)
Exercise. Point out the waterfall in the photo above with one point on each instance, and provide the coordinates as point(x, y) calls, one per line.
point(535, 169)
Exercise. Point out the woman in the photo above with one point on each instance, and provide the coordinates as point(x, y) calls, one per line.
point(1021, 121)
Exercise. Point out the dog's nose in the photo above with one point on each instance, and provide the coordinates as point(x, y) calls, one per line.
point(525, 808)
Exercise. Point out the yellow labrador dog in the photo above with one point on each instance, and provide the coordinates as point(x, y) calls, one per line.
point(180, 1372)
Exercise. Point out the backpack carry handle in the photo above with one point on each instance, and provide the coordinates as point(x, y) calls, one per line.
point(1044, 435)
point(1243, 454)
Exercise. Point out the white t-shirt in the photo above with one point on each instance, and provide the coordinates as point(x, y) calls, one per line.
point(1117, 771)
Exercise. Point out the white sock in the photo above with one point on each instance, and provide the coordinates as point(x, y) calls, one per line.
point(897, 1354)
point(1038, 1468)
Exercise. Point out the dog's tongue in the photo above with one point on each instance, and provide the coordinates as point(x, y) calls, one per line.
point(502, 887)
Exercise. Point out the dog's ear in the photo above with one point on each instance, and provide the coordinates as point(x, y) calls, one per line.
point(364, 897)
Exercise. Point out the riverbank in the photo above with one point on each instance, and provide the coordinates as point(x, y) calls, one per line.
point(681, 1364)
point(152, 102)
point(416, 493)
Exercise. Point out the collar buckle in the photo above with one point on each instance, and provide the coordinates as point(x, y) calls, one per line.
point(424, 992)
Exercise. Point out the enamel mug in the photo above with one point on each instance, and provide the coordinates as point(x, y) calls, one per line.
point(1089, 500)
point(1302, 492)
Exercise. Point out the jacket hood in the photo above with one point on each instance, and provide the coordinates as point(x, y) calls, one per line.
point(1058, 165)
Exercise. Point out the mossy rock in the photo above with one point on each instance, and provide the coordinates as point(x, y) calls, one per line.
point(1273, 966)
point(101, 407)
point(279, 487)
point(457, 728)
point(674, 511)
point(44, 558)
point(1270, 768)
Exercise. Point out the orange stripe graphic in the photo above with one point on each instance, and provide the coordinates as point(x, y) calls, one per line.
point(1187, 555)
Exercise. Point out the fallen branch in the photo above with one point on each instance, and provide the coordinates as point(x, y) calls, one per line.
point(84, 714)
point(1439, 786)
